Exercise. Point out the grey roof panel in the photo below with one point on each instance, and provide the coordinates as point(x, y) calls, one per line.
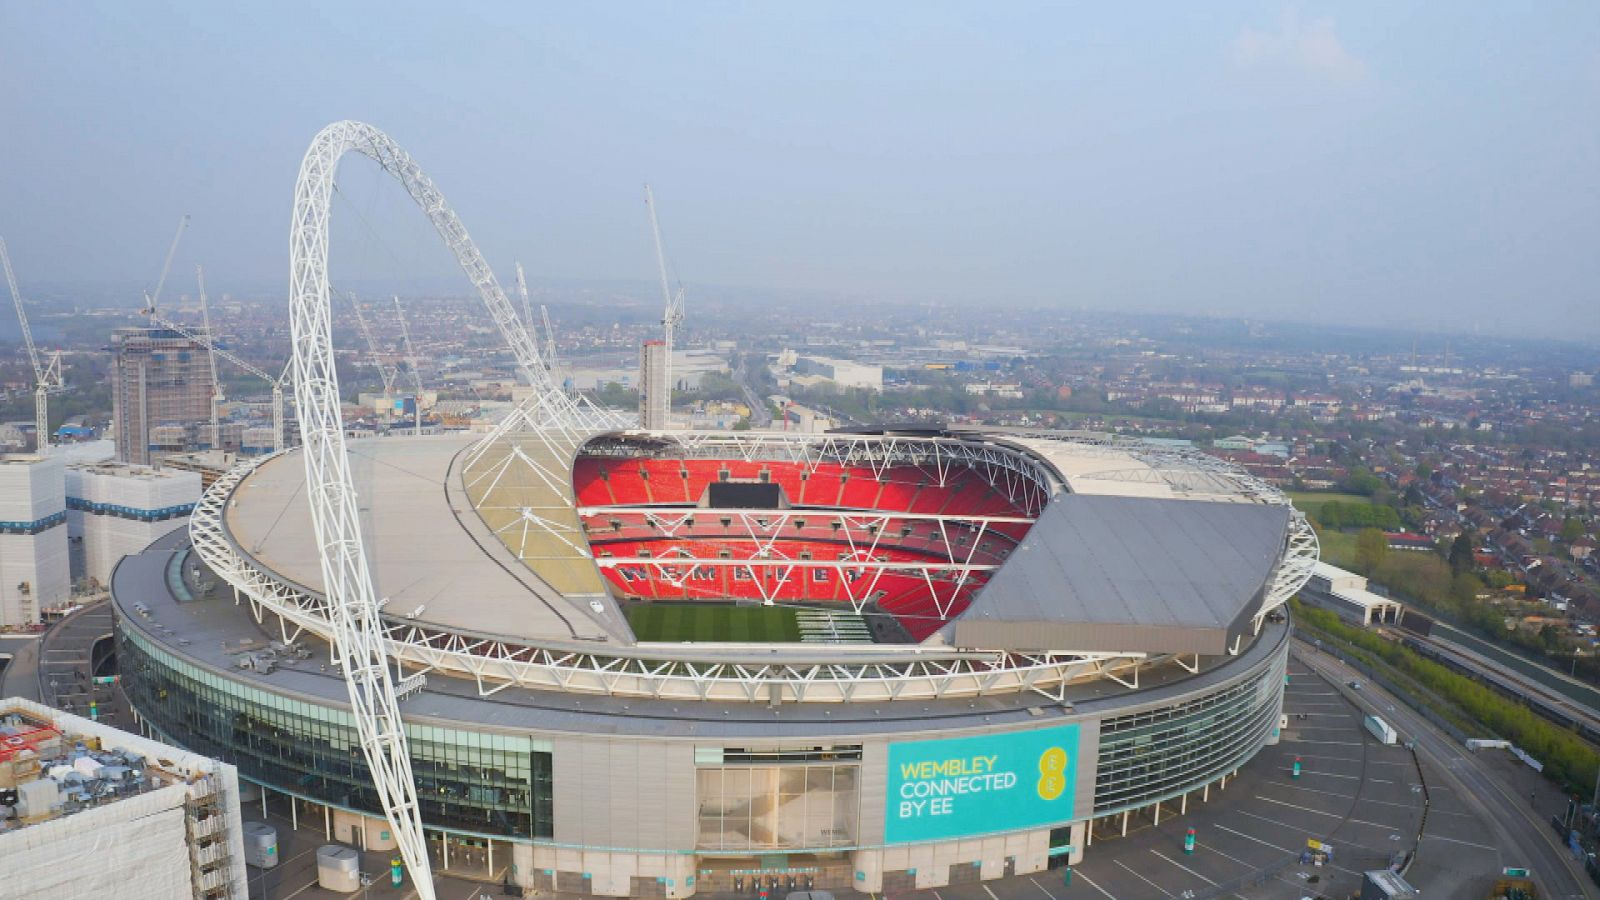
point(1105, 563)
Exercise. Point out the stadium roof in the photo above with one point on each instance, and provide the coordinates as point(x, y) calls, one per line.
point(1135, 574)
point(429, 553)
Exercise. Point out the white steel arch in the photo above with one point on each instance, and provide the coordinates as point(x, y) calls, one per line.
point(358, 633)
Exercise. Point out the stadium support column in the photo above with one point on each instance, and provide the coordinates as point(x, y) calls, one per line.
point(868, 866)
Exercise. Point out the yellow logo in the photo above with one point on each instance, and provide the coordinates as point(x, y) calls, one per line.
point(1052, 773)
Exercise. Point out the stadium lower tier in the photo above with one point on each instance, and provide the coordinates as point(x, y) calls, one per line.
point(618, 796)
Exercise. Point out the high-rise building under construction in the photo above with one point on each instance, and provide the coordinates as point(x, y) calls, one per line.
point(161, 387)
point(655, 393)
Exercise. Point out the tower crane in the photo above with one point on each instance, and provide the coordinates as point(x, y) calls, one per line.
point(549, 348)
point(211, 346)
point(386, 372)
point(550, 360)
point(150, 300)
point(47, 378)
point(527, 308)
point(211, 359)
point(411, 363)
point(674, 311)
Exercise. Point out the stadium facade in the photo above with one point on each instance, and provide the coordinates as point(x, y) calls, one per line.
point(996, 648)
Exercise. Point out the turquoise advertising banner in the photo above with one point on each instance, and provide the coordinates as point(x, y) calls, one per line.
point(979, 785)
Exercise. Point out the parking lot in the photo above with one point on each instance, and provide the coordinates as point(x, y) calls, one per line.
point(1364, 798)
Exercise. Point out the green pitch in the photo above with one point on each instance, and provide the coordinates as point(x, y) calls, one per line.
point(713, 623)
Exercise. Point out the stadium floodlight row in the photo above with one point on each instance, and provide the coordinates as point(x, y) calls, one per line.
point(1013, 643)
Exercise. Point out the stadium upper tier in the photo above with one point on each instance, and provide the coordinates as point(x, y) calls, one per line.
point(961, 540)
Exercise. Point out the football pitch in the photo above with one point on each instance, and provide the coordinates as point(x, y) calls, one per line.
point(713, 622)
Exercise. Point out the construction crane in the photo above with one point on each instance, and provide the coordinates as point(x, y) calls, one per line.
point(550, 360)
point(411, 363)
point(210, 344)
point(211, 359)
point(674, 311)
point(527, 308)
point(47, 378)
point(385, 372)
point(150, 300)
point(551, 364)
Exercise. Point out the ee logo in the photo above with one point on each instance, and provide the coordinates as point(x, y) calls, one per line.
point(1052, 773)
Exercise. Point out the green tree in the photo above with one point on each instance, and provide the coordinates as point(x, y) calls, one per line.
point(1571, 530)
point(1331, 515)
point(1461, 559)
point(1362, 482)
point(1371, 548)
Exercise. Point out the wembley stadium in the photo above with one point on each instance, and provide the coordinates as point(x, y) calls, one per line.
point(920, 657)
point(572, 655)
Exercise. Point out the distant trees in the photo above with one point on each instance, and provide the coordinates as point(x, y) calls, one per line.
point(1363, 482)
point(1371, 548)
point(1571, 529)
point(1334, 514)
point(1461, 553)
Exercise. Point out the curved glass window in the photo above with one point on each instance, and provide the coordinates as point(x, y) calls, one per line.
point(466, 780)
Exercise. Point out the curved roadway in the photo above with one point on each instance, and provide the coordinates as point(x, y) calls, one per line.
point(1517, 831)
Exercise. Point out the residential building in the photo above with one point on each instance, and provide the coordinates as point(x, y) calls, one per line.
point(161, 388)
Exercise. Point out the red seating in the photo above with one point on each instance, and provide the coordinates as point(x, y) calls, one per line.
point(829, 517)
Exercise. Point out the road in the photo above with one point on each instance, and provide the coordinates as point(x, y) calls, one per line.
point(760, 415)
point(65, 678)
point(1518, 831)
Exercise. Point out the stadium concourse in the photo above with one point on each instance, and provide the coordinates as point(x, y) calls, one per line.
point(637, 663)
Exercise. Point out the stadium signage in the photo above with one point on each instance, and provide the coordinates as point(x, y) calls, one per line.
point(980, 785)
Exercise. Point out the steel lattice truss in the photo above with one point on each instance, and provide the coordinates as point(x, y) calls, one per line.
point(799, 674)
point(350, 607)
point(1017, 476)
point(857, 567)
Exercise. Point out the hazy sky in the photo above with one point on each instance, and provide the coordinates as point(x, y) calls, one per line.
point(1387, 162)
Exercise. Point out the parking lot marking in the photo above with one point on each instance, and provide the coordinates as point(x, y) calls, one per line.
point(1212, 848)
point(1312, 790)
point(987, 891)
point(1301, 808)
point(1184, 867)
point(1144, 879)
point(1090, 882)
point(1256, 839)
point(1292, 828)
point(1047, 893)
point(1337, 758)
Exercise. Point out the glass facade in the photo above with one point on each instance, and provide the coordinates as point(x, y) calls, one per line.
point(1159, 753)
point(769, 808)
point(466, 780)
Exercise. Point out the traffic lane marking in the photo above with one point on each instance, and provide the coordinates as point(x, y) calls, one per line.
point(1440, 837)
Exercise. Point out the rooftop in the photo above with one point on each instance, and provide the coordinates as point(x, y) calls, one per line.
point(59, 764)
point(213, 632)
